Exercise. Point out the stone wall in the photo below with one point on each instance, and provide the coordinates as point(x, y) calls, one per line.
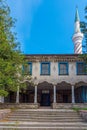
point(83, 114)
point(4, 113)
point(54, 76)
point(20, 105)
point(37, 105)
point(68, 105)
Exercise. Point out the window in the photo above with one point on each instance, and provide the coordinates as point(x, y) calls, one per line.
point(81, 68)
point(63, 68)
point(27, 68)
point(45, 68)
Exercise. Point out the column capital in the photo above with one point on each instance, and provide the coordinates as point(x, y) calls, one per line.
point(72, 85)
point(35, 85)
point(54, 84)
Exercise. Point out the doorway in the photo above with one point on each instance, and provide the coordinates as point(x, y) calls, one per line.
point(65, 98)
point(45, 99)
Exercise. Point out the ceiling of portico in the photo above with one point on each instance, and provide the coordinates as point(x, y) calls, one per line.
point(30, 86)
point(81, 83)
point(63, 86)
point(59, 86)
point(45, 85)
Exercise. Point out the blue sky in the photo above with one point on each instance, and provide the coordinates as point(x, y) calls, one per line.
point(46, 26)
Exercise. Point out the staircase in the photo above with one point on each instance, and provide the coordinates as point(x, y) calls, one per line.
point(43, 119)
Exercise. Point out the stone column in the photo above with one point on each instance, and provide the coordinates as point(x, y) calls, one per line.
point(35, 94)
point(1, 99)
point(73, 94)
point(54, 90)
point(17, 96)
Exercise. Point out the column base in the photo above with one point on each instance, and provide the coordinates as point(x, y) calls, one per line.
point(1, 99)
point(61, 105)
point(54, 105)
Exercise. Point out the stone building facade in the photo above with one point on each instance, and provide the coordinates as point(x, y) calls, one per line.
point(56, 79)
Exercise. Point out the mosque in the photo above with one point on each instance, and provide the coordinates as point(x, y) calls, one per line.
point(57, 78)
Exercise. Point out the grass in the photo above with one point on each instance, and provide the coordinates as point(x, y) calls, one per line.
point(13, 109)
point(78, 109)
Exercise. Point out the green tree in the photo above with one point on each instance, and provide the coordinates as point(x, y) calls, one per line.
point(11, 57)
point(84, 30)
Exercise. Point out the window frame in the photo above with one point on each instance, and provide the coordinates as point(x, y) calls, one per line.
point(41, 63)
point(84, 73)
point(67, 68)
point(30, 73)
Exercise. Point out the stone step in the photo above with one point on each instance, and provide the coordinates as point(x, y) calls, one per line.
point(42, 124)
point(72, 111)
point(53, 116)
point(52, 110)
point(45, 117)
point(42, 128)
point(56, 111)
point(45, 112)
point(48, 119)
point(42, 112)
point(44, 120)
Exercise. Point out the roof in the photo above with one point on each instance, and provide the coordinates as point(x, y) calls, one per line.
point(53, 57)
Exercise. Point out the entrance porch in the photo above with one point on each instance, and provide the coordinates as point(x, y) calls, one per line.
point(47, 94)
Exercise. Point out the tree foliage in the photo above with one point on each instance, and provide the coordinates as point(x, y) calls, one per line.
point(11, 58)
point(84, 30)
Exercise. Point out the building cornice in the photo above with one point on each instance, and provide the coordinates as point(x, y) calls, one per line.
point(53, 57)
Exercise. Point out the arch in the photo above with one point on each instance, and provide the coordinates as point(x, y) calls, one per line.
point(45, 93)
point(81, 83)
point(63, 92)
point(81, 92)
point(63, 85)
point(45, 85)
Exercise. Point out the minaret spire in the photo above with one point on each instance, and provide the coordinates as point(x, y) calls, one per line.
point(77, 15)
point(78, 36)
point(77, 21)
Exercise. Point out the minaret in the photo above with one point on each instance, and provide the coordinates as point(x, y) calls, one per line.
point(78, 36)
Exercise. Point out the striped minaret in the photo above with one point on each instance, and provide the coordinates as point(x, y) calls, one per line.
point(78, 36)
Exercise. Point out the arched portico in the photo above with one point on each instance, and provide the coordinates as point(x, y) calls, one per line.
point(23, 95)
point(81, 92)
point(45, 93)
point(27, 95)
point(48, 93)
point(64, 93)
